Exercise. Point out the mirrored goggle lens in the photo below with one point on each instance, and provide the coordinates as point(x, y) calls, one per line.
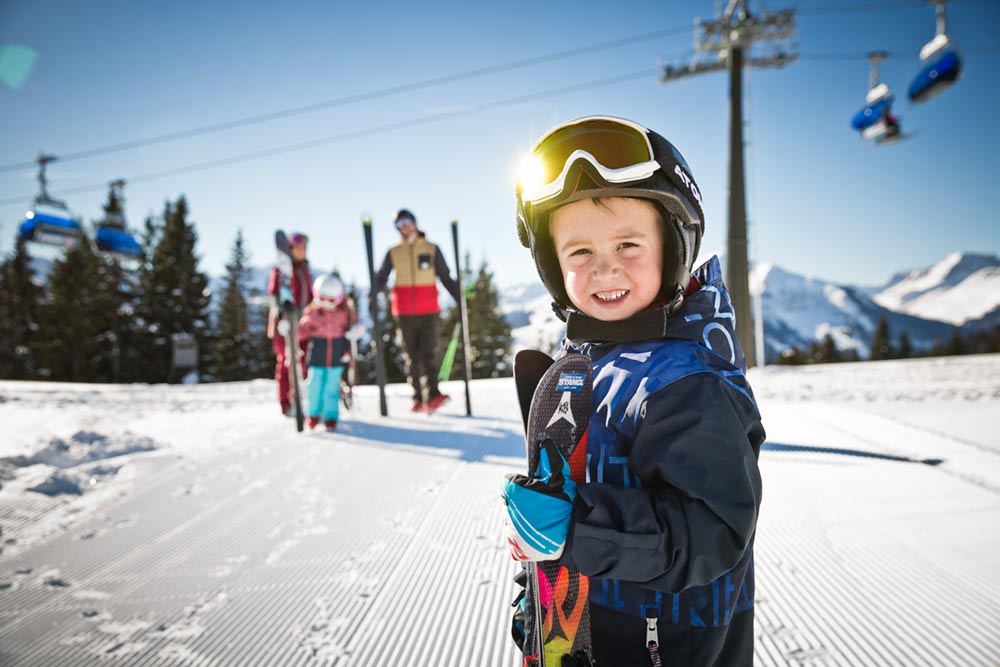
point(613, 144)
point(404, 221)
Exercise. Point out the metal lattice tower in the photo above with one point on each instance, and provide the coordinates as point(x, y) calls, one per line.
point(734, 40)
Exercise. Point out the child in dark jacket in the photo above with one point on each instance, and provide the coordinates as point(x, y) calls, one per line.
point(325, 325)
point(664, 524)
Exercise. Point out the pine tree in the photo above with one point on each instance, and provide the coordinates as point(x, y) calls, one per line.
point(20, 297)
point(174, 292)
point(74, 319)
point(791, 357)
point(955, 345)
point(882, 341)
point(115, 300)
point(233, 353)
point(905, 346)
point(489, 333)
point(825, 352)
point(261, 361)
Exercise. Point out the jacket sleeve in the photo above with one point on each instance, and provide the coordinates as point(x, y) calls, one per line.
point(441, 269)
point(274, 282)
point(695, 454)
point(382, 277)
point(307, 325)
point(308, 288)
point(273, 288)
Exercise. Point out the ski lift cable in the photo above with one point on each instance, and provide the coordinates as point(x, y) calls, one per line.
point(354, 134)
point(359, 97)
point(859, 55)
point(875, 7)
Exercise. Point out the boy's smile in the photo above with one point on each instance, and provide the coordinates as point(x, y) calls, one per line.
point(610, 252)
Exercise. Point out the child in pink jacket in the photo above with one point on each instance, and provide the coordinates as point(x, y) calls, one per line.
point(325, 325)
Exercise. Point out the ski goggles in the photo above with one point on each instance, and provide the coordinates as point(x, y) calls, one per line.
point(298, 238)
point(618, 150)
point(330, 301)
point(403, 221)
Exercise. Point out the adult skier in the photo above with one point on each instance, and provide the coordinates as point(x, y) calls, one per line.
point(301, 295)
point(418, 265)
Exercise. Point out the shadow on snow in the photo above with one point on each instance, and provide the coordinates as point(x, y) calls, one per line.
point(491, 442)
point(779, 447)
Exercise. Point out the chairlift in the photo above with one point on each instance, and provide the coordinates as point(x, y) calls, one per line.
point(112, 235)
point(875, 121)
point(49, 221)
point(940, 63)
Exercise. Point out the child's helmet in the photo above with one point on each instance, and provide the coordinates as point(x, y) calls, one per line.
point(328, 291)
point(601, 156)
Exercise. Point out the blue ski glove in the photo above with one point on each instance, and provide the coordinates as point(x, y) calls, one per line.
point(539, 508)
point(284, 295)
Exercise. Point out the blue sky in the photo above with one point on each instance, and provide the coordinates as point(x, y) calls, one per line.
point(821, 201)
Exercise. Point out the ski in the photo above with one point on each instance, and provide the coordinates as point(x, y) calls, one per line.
point(448, 361)
point(463, 319)
point(449, 354)
point(290, 313)
point(366, 223)
point(529, 367)
point(557, 616)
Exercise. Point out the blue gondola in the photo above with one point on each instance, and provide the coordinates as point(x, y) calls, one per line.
point(872, 113)
point(49, 229)
point(117, 242)
point(875, 121)
point(112, 235)
point(940, 62)
point(49, 221)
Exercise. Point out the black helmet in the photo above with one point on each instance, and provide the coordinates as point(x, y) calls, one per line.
point(600, 156)
point(404, 216)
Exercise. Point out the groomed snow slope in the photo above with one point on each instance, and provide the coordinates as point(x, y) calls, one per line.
point(192, 526)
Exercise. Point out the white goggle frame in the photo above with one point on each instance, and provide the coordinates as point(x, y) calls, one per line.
point(629, 174)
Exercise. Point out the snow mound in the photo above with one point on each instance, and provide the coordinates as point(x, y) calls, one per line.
point(84, 447)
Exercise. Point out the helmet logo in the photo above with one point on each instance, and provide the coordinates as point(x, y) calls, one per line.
point(688, 182)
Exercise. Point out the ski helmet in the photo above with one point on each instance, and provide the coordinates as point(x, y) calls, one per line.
point(298, 238)
point(602, 156)
point(328, 291)
point(404, 217)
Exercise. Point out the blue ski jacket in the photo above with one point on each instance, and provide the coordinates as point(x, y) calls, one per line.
point(664, 526)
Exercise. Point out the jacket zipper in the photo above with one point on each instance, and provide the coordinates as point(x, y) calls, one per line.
point(652, 642)
point(413, 279)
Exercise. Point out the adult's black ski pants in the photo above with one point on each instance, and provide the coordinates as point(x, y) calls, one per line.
point(420, 340)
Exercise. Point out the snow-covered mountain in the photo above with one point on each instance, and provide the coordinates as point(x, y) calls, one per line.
point(528, 309)
point(798, 310)
point(961, 288)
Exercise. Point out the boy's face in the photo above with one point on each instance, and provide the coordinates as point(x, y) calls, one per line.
point(298, 251)
point(611, 255)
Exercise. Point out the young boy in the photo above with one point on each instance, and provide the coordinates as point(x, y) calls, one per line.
point(326, 325)
point(664, 524)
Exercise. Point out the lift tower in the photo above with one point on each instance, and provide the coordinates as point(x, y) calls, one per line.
point(729, 43)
